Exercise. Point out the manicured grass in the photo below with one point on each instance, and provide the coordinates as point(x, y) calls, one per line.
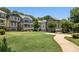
point(32, 41)
point(74, 40)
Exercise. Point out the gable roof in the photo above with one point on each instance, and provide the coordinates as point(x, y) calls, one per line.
point(24, 16)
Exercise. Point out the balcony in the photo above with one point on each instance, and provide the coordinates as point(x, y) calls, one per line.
point(27, 28)
point(2, 24)
point(2, 19)
point(27, 23)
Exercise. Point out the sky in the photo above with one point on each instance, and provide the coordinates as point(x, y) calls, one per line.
point(56, 12)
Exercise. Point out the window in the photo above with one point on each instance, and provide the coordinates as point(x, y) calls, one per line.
point(28, 25)
point(11, 23)
point(13, 17)
point(26, 20)
point(25, 25)
point(15, 24)
point(2, 15)
point(18, 19)
point(2, 21)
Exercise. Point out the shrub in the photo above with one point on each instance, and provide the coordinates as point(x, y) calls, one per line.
point(76, 27)
point(2, 31)
point(4, 46)
point(75, 35)
point(66, 26)
point(52, 26)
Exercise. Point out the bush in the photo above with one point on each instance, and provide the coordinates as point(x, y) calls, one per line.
point(51, 26)
point(76, 27)
point(4, 46)
point(2, 31)
point(66, 26)
point(75, 35)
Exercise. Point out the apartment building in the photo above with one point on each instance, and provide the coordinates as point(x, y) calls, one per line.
point(2, 19)
point(43, 25)
point(58, 25)
point(27, 22)
point(14, 22)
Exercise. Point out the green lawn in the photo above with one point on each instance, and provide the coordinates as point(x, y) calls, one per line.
point(75, 41)
point(31, 41)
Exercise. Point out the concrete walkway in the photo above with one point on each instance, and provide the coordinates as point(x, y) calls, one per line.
point(66, 45)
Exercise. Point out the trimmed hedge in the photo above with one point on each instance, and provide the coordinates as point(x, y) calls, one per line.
point(2, 31)
point(75, 35)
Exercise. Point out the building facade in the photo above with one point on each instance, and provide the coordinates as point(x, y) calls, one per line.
point(58, 25)
point(14, 22)
point(27, 23)
point(2, 19)
point(43, 25)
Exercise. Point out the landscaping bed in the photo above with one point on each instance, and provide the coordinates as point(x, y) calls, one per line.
point(74, 40)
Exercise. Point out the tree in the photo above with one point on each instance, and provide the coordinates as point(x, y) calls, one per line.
point(36, 25)
point(76, 27)
point(5, 10)
point(66, 25)
point(47, 17)
point(16, 12)
point(52, 26)
point(74, 15)
point(40, 18)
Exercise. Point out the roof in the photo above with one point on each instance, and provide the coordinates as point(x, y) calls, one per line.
point(2, 12)
point(23, 16)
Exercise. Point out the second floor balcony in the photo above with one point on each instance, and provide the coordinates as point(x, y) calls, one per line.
point(2, 24)
point(2, 16)
point(27, 23)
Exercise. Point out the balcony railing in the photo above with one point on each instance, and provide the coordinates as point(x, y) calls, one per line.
point(2, 18)
point(27, 23)
point(2, 24)
point(28, 28)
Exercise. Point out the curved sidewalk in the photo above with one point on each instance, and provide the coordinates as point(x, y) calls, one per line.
point(66, 45)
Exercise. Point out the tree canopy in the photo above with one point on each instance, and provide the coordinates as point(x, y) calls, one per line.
point(51, 25)
point(48, 17)
point(36, 25)
point(5, 9)
point(66, 25)
point(76, 27)
point(74, 15)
